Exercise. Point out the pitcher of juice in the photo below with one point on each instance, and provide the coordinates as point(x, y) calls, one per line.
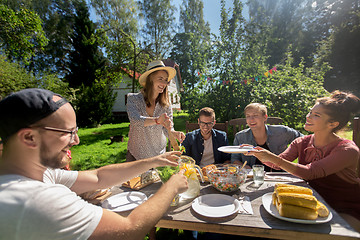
point(188, 163)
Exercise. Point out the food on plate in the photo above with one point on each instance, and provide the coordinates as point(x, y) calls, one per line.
point(204, 172)
point(293, 189)
point(149, 176)
point(207, 168)
point(292, 211)
point(94, 194)
point(297, 202)
point(322, 210)
point(297, 199)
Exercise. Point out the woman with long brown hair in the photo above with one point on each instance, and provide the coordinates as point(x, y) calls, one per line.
point(150, 113)
point(328, 162)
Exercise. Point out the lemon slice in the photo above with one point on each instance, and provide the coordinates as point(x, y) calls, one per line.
point(232, 169)
point(193, 175)
point(190, 172)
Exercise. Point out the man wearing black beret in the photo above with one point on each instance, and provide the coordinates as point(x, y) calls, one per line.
point(40, 201)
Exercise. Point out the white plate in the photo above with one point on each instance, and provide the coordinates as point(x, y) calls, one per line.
point(235, 149)
point(124, 201)
point(271, 209)
point(215, 205)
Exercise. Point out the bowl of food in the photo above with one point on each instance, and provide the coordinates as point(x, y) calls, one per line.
point(226, 177)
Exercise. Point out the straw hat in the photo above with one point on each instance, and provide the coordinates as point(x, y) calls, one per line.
point(154, 66)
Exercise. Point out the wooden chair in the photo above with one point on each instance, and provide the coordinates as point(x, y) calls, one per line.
point(356, 131)
point(219, 126)
point(239, 124)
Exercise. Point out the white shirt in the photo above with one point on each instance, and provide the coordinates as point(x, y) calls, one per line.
point(208, 154)
point(31, 209)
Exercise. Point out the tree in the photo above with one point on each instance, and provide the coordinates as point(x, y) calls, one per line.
point(342, 48)
point(88, 73)
point(57, 23)
point(121, 27)
point(85, 58)
point(21, 34)
point(230, 49)
point(13, 78)
point(159, 24)
point(191, 46)
point(290, 92)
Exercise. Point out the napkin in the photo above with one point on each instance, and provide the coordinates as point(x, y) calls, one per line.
point(245, 206)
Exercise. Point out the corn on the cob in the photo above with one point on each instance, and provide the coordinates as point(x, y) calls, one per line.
point(277, 185)
point(291, 211)
point(297, 202)
point(302, 200)
point(294, 189)
point(322, 209)
point(274, 198)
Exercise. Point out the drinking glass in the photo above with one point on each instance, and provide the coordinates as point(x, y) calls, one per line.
point(258, 174)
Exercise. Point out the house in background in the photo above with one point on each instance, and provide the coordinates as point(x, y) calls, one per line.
point(125, 87)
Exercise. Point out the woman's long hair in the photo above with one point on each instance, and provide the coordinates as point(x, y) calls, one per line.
point(148, 90)
point(339, 106)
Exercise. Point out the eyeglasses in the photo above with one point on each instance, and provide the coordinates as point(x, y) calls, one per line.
point(73, 132)
point(207, 124)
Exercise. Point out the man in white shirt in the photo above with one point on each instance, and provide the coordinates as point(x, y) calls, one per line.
point(40, 201)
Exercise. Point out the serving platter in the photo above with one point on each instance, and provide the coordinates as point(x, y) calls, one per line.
point(271, 209)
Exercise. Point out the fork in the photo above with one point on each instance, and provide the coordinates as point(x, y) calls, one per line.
point(241, 201)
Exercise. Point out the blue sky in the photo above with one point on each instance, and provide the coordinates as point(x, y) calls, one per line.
point(211, 12)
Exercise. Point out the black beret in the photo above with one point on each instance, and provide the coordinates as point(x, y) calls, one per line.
point(23, 108)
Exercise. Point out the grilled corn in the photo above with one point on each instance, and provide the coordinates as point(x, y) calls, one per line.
point(297, 199)
point(291, 211)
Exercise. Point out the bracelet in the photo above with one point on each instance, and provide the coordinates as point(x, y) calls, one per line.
point(156, 121)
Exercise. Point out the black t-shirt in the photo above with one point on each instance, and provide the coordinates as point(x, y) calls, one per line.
point(266, 168)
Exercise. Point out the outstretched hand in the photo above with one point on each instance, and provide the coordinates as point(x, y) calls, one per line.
point(262, 154)
point(168, 159)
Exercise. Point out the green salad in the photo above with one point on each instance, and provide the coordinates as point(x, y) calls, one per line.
point(166, 172)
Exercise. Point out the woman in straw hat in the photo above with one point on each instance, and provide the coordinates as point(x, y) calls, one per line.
point(150, 113)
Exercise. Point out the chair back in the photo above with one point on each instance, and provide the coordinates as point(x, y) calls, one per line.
point(239, 124)
point(356, 131)
point(274, 120)
point(219, 126)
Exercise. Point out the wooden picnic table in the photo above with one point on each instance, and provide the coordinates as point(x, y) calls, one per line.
point(260, 224)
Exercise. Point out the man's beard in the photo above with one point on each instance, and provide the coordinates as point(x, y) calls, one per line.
point(51, 162)
point(205, 132)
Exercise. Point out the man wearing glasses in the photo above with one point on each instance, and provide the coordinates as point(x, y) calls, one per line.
point(40, 201)
point(202, 144)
